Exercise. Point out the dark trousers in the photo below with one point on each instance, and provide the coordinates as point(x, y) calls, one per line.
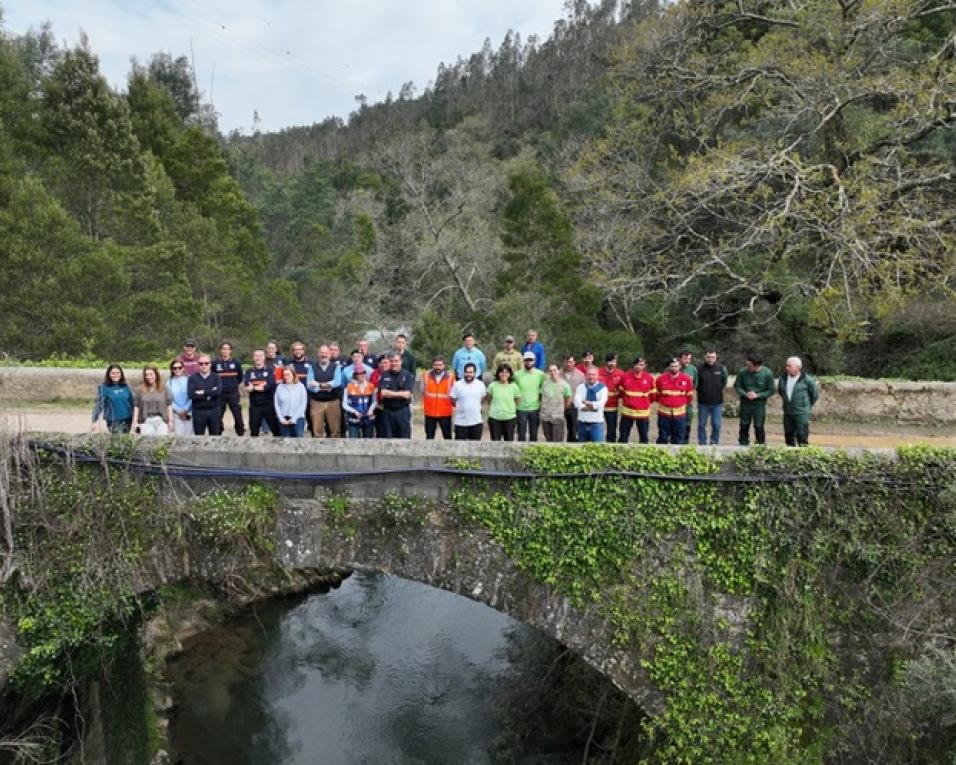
point(571, 421)
point(230, 399)
point(670, 430)
point(643, 426)
point(207, 419)
point(528, 423)
point(685, 439)
point(263, 412)
point(433, 423)
point(796, 429)
point(502, 430)
point(610, 426)
point(757, 416)
point(397, 423)
point(468, 432)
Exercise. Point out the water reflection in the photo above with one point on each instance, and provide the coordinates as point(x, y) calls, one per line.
point(380, 671)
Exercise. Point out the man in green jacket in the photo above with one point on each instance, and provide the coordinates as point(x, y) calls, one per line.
point(754, 385)
point(686, 359)
point(799, 392)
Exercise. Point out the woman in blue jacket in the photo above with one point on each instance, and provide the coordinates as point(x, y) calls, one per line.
point(114, 401)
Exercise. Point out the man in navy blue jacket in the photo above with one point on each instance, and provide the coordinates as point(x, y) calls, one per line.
point(230, 372)
point(205, 391)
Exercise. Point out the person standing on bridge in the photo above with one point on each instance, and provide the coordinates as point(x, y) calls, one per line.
point(711, 381)
point(178, 387)
point(395, 399)
point(230, 372)
point(674, 391)
point(261, 387)
point(590, 400)
point(466, 396)
point(114, 402)
point(205, 391)
point(358, 404)
point(436, 399)
point(799, 392)
point(290, 404)
point(754, 385)
point(468, 353)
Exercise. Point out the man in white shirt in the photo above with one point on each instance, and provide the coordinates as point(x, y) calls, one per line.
point(589, 400)
point(466, 395)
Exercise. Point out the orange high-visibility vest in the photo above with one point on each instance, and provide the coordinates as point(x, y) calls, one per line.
point(436, 398)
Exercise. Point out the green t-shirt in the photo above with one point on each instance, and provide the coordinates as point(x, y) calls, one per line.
point(529, 383)
point(503, 401)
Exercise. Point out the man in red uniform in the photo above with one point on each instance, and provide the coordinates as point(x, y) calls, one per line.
point(611, 377)
point(637, 395)
point(675, 391)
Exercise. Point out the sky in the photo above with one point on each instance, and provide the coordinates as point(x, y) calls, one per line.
point(294, 62)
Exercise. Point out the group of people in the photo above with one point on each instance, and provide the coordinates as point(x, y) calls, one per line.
point(368, 396)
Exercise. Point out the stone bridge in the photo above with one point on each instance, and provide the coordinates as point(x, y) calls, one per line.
point(439, 550)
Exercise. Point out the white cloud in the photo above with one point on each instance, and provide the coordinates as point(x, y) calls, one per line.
point(294, 61)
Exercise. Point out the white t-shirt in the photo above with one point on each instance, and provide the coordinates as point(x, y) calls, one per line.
point(468, 398)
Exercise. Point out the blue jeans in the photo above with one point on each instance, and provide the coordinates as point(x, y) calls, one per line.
point(358, 430)
point(590, 431)
point(714, 412)
point(295, 430)
point(670, 430)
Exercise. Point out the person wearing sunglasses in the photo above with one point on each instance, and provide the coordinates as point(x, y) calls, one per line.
point(205, 391)
point(178, 386)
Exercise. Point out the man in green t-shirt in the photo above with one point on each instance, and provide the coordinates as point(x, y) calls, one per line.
point(529, 381)
point(754, 385)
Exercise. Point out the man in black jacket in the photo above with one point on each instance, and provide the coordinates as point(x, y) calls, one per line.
point(395, 397)
point(205, 391)
point(711, 382)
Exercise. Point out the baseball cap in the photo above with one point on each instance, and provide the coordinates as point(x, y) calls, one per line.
point(509, 338)
point(528, 355)
point(190, 341)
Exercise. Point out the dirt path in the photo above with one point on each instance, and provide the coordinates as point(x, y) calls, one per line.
point(52, 418)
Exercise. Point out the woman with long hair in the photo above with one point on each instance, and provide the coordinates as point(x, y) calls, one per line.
point(290, 403)
point(114, 402)
point(178, 387)
point(504, 396)
point(152, 405)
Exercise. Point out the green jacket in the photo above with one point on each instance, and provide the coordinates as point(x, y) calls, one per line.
point(806, 391)
point(760, 382)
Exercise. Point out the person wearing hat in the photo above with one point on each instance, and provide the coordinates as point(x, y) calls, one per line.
point(468, 352)
point(358, 404)
point(637, 395)
point(510, 355)
point(675, 390)
point(529, 380)
point(436, 399)
point(189, 357)
point(611, 376)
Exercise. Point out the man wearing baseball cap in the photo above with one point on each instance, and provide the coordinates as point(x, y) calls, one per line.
point(510, 355)
point(189, 358)
point(529, 381)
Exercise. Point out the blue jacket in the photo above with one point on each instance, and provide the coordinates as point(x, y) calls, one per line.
point(114, 402)
point(464, 356)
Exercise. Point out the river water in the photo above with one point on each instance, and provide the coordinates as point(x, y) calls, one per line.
point(381, 670)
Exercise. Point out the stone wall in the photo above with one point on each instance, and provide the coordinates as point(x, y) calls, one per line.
point(853, 400)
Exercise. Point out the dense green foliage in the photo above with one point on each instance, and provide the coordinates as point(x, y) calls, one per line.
point(746, 174)
point(83, 541)
point(844, 567)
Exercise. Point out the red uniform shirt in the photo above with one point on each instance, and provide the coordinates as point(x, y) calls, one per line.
point(612, 381)
point(637, 393)
point(674, 393)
